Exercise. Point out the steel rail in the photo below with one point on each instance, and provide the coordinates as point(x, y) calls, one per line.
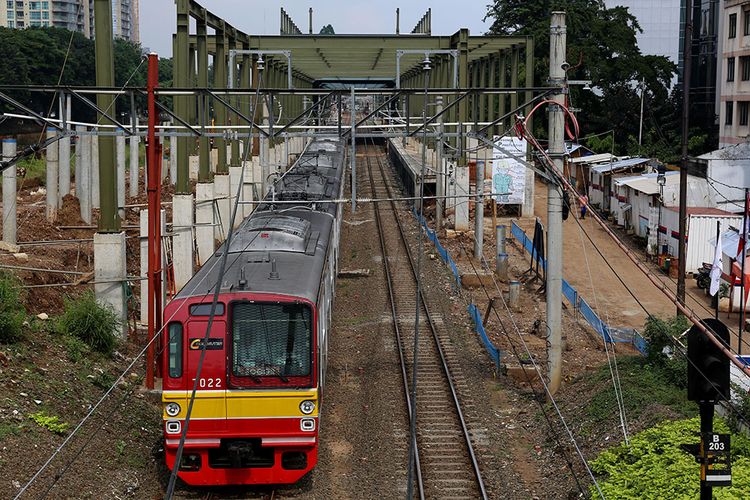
point(441, 354)
point(394, 314)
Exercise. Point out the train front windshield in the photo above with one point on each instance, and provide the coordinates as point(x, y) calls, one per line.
point(270, 340)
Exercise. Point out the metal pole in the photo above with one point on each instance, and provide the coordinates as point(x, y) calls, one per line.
point(309, 22)
point(109, 221)
point(707, 426)
point(204, 148)
point(153, 158)
point(554, 205)
point(182, 103)
point(718, 295)
point(682, 254)
point(353, 154)
point(640, 123)
point(398, 21)
point(742, 280)
point(439, 202)
point(479, 211)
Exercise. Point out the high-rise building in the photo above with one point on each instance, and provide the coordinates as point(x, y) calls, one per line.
point(660, 22)
point(734, 119)
point(74, 15)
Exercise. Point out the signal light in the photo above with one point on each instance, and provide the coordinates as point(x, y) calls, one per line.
point(566, 205)
point(708, 366)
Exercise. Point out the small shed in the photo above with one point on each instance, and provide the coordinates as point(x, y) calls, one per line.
point(634, 197)
point(701, 233)
point(600, 179)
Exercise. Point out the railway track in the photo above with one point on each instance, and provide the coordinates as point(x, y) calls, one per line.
point(445, 465)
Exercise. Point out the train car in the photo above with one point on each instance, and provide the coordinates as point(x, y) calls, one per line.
point(256, 413)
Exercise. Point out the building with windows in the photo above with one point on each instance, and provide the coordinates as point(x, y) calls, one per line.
point(734, 119)
point(73, 15)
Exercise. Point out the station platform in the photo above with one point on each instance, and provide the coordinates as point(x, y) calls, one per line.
point(408, 162)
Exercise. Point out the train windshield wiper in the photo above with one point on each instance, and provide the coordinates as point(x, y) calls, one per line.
point(277, 373)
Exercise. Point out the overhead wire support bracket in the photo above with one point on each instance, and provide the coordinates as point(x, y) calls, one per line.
point(173, 114)
point(96, 108)
point(305, 112)
point(441, 113)
point(516, 157)
point(235, 52)
point(237, 112)
point(374, 112)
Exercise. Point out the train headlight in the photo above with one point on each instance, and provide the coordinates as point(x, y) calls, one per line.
point(307, 407)
point(172, 409)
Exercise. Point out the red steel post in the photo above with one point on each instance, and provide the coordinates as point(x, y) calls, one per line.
point(153, 188)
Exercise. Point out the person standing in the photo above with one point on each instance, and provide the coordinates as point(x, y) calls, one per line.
point(584, 202)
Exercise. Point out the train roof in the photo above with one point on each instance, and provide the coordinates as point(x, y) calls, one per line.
point(281, 249)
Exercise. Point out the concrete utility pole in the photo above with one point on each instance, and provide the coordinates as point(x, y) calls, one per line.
point(686, 57)
point(479, 211)
point(557, 42)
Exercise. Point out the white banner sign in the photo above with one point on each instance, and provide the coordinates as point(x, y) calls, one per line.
point(508, 174)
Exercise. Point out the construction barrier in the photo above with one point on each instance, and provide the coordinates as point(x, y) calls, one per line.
point(444, 255)
point(493, 351)
point(579, 303)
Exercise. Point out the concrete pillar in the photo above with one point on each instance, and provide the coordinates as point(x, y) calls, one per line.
point(221, 194)
point(214, 157)
point(500, 247)
point(514, 294)
point(110, 272)
point(204, 220)
point(78, 153)
point(121, 173)
point(9, 193)
point(479, 211)
point(193, 166)
point(173, 160)
point(52, 176)
point(462, 198)
point(63, 170)
point(501, 266)
point(183, 258)
point(235, 173)
point(134, 164)
point(84, 187)
point(144, 260)
point(95, 201)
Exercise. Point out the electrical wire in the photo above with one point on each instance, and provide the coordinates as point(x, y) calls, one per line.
point(217, 290)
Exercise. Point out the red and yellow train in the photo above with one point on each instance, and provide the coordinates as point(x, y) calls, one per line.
point(256, 413)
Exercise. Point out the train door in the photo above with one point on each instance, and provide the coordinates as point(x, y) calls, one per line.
point(209, 403)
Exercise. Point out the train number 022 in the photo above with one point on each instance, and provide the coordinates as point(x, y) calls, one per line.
point(209, 383)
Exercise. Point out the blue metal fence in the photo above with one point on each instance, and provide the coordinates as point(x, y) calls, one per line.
point(444, 255)
point(578, 302)
point(493, 351)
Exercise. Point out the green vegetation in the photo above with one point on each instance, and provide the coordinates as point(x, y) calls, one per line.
point(647, 390)
point(77, 349)
point(654, 465)
point(51, 423)
point(12, 312)
point(659, 334)
point(36, 56)
point(598, 33)
point(89, 321)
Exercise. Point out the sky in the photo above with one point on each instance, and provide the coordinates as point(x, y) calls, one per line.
point(346, 16)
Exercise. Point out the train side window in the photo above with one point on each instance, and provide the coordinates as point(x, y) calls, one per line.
point(205, 309)
point(175, 350)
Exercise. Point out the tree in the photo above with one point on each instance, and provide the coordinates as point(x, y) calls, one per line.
point(327, 30)
point(602, 47)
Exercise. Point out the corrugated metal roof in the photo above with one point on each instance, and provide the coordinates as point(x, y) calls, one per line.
point(591, 159)
point(618, 165)
point(646, 183)
point(702, 211)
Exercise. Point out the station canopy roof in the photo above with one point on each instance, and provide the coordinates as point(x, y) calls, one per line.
point(363, 57)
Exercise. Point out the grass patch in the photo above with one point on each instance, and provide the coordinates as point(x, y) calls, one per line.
point(8, 429)
point(12, 312)
point(49, 422)
point(94, 324)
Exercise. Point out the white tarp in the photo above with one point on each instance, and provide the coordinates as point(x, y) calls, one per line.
point(508, 174)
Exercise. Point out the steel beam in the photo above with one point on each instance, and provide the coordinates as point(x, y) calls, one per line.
point(109, 220)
